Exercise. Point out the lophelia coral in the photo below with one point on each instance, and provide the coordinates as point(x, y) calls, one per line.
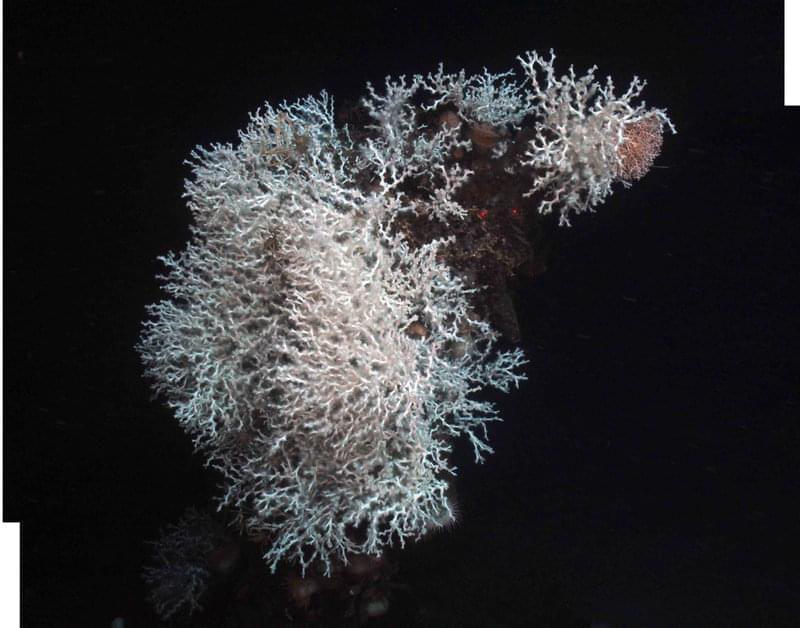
point(324, 337)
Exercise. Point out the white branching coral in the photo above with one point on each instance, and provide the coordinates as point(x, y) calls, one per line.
point(582, 131)
point(322, 355)
point(483, 98)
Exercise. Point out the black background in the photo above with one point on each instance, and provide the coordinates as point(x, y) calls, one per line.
point(645, 475)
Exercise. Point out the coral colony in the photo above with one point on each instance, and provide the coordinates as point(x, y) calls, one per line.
point(340, 306)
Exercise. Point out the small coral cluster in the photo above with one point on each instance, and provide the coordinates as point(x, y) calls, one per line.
point(179, 574)
point(323, 339)
point(587, 137)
